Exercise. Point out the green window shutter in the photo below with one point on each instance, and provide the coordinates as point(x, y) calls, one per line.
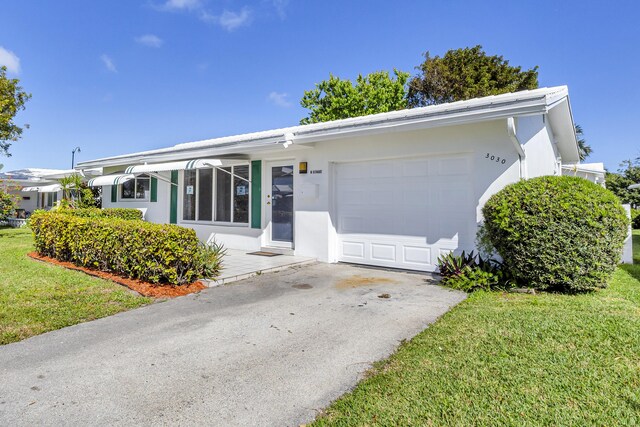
point(173, 213)
point(154, 189)
point(114, 193)
point(256, 193)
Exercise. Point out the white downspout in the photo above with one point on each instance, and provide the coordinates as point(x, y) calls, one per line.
point(511, 130)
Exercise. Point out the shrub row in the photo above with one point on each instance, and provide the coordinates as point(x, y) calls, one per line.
point(122, 213)
point(156, 253)
point(557, 232)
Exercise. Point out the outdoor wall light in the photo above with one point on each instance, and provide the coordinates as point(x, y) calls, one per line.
point(288, 139)
point(302, 167)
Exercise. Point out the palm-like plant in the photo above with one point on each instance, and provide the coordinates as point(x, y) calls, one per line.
point(70, 187)
point(584, 149)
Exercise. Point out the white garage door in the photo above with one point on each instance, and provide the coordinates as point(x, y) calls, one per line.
point(404, 213)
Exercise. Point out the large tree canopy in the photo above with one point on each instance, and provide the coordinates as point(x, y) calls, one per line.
point(458, 75)
point(335, 99)
point(466, 73)
point(12, 100)
point(628, 174)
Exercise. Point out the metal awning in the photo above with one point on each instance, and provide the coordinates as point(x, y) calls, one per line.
point(174, 166)
point(110, 179)
point(53, 188)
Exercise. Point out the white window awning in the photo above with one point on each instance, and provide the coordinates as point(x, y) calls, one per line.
point(110, 179)
point(173, 166)
point(53, 188)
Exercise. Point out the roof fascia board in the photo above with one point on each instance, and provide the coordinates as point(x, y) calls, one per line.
point(444, 118)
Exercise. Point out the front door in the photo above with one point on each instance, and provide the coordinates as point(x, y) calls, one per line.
point(280, 205)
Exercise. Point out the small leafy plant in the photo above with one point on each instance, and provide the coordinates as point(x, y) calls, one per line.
point(470, 271)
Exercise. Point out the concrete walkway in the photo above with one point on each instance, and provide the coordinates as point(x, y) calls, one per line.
point(239, 265)
point(271, 350)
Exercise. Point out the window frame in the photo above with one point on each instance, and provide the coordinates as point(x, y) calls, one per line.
point(214, 198)
point(147, 197)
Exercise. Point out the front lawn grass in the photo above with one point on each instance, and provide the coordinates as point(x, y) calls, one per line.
point(36, 297)
point(513, 359)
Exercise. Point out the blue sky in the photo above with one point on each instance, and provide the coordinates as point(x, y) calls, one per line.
point(117, 76)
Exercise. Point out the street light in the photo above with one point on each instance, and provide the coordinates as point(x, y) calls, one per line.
point(73, 156)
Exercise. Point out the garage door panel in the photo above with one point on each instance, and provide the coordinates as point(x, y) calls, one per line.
point(415, 168)
point(417, 255)
point(383, 252)
point(353, 249)
point(403, 213)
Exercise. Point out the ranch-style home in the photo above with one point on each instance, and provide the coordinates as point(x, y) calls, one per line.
point(33, 188)
point(394, 189)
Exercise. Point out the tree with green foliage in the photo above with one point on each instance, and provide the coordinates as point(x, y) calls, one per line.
point(464, 74)
point(335, 98)
point(8, 203)
point(584, 149)
point(76, 194)
point(618, 183)
point(12, 100)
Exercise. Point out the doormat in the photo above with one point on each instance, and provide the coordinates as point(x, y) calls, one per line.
point(264, 253)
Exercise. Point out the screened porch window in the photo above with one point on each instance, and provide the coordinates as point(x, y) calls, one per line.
point(216, 195)
point(136, 189)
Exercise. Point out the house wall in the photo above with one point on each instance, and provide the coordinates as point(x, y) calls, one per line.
point(494, 164)
point(156, 211)
point(540, 151)
point(33, 203)
point(28, 205)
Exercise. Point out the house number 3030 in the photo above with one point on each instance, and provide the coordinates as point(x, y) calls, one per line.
point(496, 159)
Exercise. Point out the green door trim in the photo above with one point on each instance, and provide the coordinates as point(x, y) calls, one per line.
point(173, 213)
point(154, 189)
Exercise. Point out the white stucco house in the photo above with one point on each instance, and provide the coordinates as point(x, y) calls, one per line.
point(34, 188)
point(394, 189)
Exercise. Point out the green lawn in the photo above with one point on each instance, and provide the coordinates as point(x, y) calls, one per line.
point(36, 297)
point(513, 359)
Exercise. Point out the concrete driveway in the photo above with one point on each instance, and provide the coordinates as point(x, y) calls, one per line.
point(271, 350)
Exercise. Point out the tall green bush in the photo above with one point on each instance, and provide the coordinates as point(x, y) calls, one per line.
point(7, 204)
point(557, 232)
point(156, 253)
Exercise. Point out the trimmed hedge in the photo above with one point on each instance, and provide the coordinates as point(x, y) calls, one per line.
point(557, 232)
point(122, 213)
point(155, 253)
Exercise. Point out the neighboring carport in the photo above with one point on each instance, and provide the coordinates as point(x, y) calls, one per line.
point(271, 350)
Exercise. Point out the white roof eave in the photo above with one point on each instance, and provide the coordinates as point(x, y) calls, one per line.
point(474, 110)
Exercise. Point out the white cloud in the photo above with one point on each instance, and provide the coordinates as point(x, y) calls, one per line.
point(280, 99)
point(9, 60)
point(108, 63)
point(281, 6)
point(232, 20)
point(149, 40)
point(181, 5)
point(228, 20)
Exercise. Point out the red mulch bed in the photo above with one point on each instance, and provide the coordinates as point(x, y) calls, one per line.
point(156, 290)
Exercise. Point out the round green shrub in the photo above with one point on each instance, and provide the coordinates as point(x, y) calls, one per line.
point(558, 233)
